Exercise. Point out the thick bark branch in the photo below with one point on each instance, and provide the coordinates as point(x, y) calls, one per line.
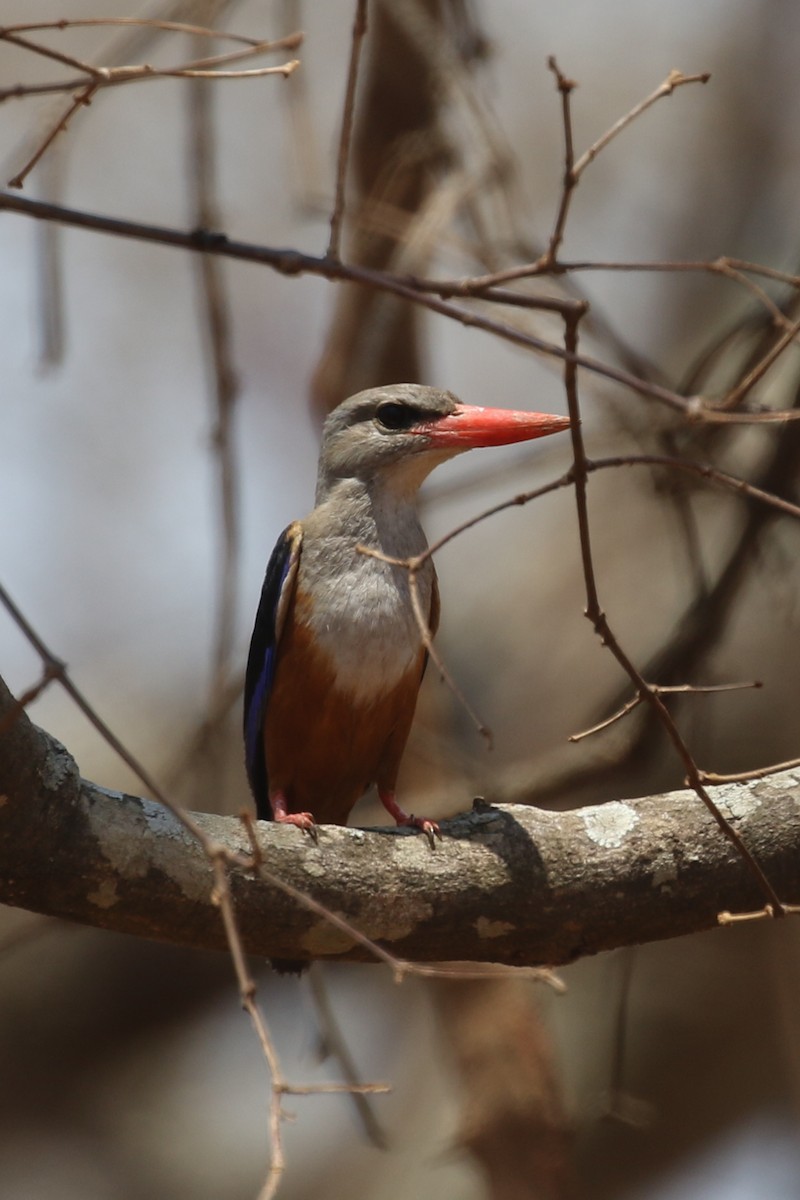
point(509, 884)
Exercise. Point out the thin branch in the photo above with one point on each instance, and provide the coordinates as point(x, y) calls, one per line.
point(674, 80)
point(285, 69)
point(82, 100)
point(204, 67)
point(66, 60)
point(97, 77)
point(668, 690)
point(247, 991)
point(736, 270)
point(517, 501)
point(703, 471)
point(743, 776)
point(597, 617)
point(571, 176)
point(427, 641)
point(50, 671)
point(617, 715)
point(293, 262)
point(158, 23)
point(547, 263)
point(735, 396)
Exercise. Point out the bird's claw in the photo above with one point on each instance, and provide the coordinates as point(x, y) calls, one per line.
point(429, 828)
point(303, 820)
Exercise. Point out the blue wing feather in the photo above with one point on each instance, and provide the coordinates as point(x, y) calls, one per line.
point(261, 664)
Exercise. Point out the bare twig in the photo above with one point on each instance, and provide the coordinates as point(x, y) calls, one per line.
point(247, 991)
point(704, 471)
point(674, 80)
point(548, 263)
point(50, 671)
point(67, 60)
point(714, 777)
point(205, 68)
point(670, 689)
point(735, 396)
point(82, 100)
point(571, 176)
point(159, 23)
point(96, 77)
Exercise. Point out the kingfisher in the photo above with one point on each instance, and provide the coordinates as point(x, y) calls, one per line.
point(337, 654)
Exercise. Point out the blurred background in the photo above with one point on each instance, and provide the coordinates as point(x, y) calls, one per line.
point(160, 426)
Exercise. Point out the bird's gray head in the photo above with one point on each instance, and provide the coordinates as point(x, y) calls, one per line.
point(396, 435)
point(382, 432)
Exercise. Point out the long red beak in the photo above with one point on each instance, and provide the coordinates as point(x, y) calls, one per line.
point(470, 426)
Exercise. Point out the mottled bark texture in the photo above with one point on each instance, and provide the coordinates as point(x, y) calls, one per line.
point(508, 884)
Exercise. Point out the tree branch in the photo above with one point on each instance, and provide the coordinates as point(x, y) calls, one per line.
point(294, 262)
point(510, 884)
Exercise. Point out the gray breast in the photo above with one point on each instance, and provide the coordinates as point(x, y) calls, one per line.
point(362, 617)
point(361, 612)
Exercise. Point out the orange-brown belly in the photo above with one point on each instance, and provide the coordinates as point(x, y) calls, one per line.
point(323, 750)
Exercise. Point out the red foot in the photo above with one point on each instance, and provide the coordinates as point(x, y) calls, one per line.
point(429, 828)
point(280, 812)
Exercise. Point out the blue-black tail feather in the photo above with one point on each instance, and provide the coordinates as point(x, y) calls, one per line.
point(261, 668)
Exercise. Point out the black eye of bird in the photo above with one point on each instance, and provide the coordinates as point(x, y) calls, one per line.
point(392, 415)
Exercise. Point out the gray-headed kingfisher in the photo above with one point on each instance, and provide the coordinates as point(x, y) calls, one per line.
point(336, 657)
